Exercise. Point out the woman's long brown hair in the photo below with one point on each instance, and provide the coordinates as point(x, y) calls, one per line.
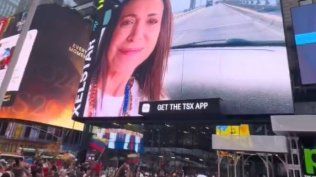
point(150, 73)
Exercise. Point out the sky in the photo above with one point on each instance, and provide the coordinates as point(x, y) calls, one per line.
point(177, 5)
point(69, 2)
point(180, 5)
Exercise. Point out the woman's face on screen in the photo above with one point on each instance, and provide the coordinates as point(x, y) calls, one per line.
point(135, 35)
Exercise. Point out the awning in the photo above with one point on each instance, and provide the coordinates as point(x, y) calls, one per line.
point(253, 143)
point(284, 124)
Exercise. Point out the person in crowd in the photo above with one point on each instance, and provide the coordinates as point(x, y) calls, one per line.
point(54, 170)
point(124, 171)
point(20, 169)
point(2, 170)
point(79, 171)
point(46, 168)
point(96, 169)
point(19, 172)
point(37, 169)
point(7, 174)
point(63, 171)
point(132, 59)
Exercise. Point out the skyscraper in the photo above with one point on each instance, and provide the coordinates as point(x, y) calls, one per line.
point(11, 7)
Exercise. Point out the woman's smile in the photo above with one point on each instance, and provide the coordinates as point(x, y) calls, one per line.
point(131, 51)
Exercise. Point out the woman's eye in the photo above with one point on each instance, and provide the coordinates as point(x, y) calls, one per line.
point(127, 22)
point(152, 21)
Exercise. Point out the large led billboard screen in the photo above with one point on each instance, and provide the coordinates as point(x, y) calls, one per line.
point(119, 139)
point(51, 68)
point(7, 46)
point(304, 24)
point(151, 51)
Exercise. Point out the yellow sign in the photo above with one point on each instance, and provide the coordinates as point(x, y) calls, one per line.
point(227, 130)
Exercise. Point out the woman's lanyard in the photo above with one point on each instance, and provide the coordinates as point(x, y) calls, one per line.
point(128, 97)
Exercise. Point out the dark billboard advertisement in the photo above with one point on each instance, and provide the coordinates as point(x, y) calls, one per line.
point(185, 55)
point(304, 24)
point(46, 78)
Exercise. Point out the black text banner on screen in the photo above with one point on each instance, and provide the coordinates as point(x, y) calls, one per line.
point(191, 52)
point(198, 106)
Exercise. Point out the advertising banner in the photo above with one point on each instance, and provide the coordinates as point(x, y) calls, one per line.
point(304, 25)
point(4, 22)
point(308, 150)
point(119, 139)
point(52, 68)
point(144, 52)
point(7, 46)
point(310, 164)
point(227, 130)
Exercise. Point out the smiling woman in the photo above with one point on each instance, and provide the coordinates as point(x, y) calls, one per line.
point(132, 59)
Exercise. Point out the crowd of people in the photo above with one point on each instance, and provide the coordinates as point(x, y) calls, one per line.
point(53, 168)
point(57, 168)
point(43, 168)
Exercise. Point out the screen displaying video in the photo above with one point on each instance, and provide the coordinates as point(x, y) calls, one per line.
point(7, 46)
point(171, 50)
point(119, 139)
point(45, 80)
point(304, 24)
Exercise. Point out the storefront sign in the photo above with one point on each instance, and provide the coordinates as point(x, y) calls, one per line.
point(237, 130)
point(310, 162)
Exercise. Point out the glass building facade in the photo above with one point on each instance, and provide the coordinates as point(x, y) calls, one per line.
point(12, 7)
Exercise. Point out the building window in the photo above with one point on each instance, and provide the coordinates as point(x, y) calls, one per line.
point(2, 9)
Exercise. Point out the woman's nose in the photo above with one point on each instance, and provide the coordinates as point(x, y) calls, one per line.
point(137, 33)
